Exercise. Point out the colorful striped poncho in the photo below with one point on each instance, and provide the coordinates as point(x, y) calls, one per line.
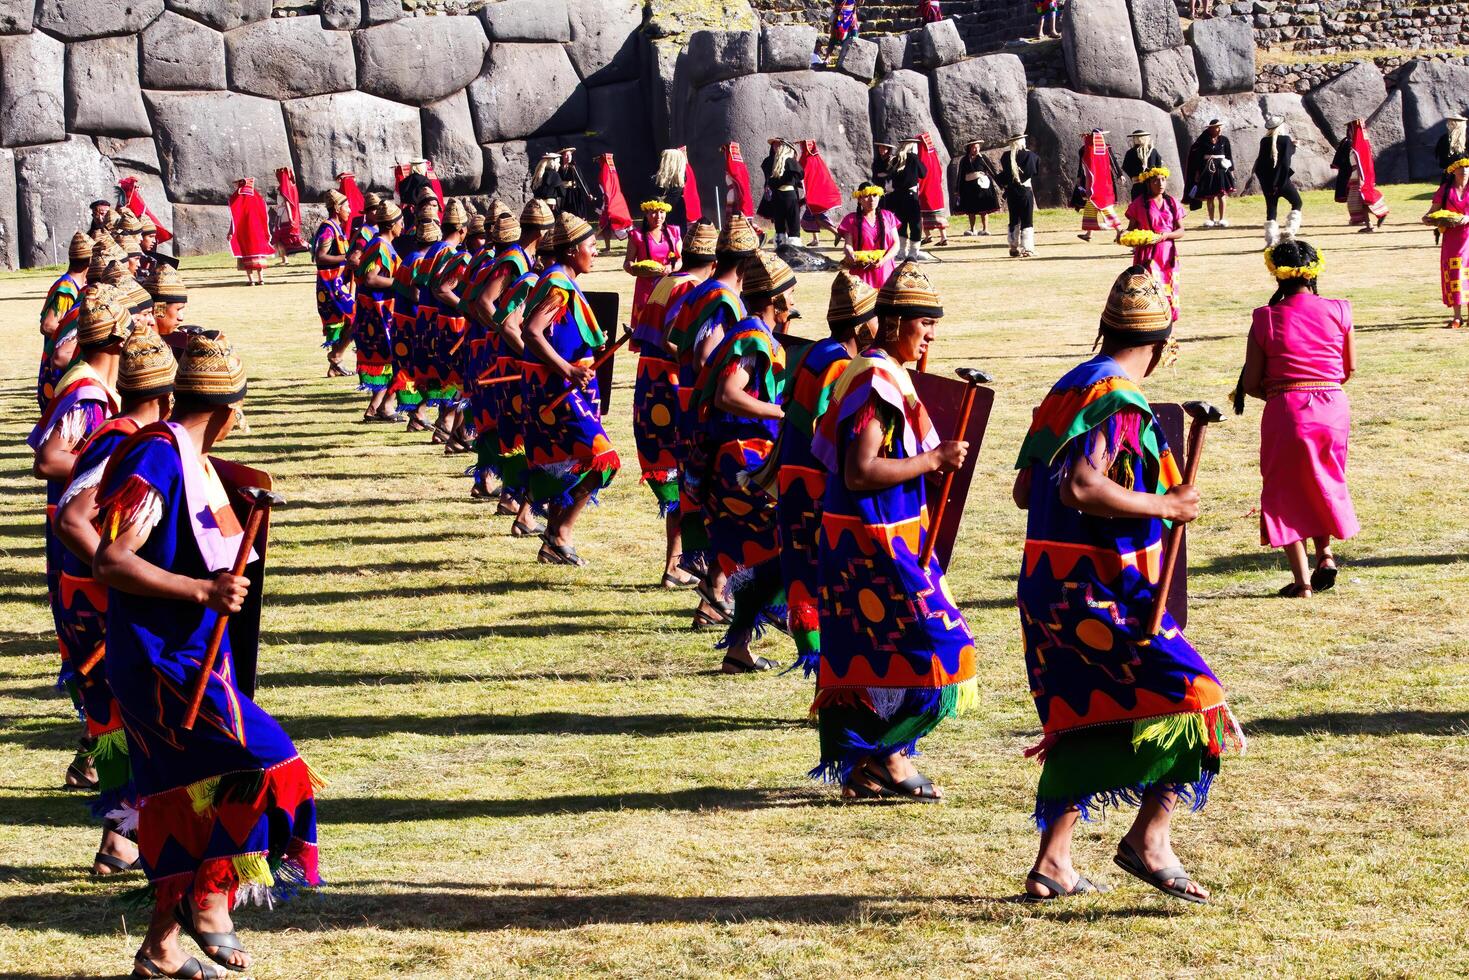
point(1122, 713)
point(656, 403)
point(896, 655)
point(334, 299)
point(372, 320)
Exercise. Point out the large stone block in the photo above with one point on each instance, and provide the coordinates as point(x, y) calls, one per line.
point(423, 59)
point(1224, 54)
point(717, 55)
point(899, 108)
point(382, 11)
point(617, 125)
point(341, 15)
point(134, 155)
point(825, 106)
point(1241, 120)
point(1169, 79)
point(677, 19)
point(786, 47)
point(941, 43)
point(604, 39)
point(1354, 94)
point(32, 94)
point(448, 140)
point(1312, 159)
point(1389, 140)
point(290, 58)
point(9, 216)
point(1057, 118)
point(1155, 25)
point(351, 131)
point(182, 53)
point(222, 15)
point(507, 172)
point(660, 69)
point(54, 183)
point(1096, 40)
point(1432, 91)
point(17, 17)
point(858, 58)
point(102, 93)
point(200, 229)
point(77, 20)
point(208, 140)
point(980, 99)
point(527, 20)
point(497, 98)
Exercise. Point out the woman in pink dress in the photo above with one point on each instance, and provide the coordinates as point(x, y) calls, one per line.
point(870, 229)
point(1299, 355)
point(1158, 211)
point(1453, 247)
point(655, 240)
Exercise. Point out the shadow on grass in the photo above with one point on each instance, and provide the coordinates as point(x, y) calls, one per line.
point(1364, 723)
point(377, 810)
point(303, 727)
point(340, 678)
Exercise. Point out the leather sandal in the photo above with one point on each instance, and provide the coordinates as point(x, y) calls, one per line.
point(191, 970)
point(117, 864)
point(223, 942)
point(1083, 886)
point(1170, 881)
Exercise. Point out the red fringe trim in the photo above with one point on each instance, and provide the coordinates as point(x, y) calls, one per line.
point(841, 697)
point(805, 616)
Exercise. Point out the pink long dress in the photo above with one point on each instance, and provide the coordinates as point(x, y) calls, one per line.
point(1163, 214)
point(1306, 422)
point(666, 249)
point(1453, 249)
point(871, 235)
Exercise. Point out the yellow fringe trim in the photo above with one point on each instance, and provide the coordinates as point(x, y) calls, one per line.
point(1169, 730)
point(966, 696)
point(253, 869)
point(317, 782)
point(201, 794)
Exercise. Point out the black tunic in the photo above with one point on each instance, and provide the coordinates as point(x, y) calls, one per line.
point(973, 197)
point(548, 188)
point(1019, 197)
point(1344, 169)
point(1205, 178)
point(882, 171)
point(1275, 177)
point(902, 200)
point(778, 205)
point(1133, 164)
point(576, 197)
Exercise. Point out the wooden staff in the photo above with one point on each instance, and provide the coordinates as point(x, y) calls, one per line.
point(260, 503)
point(1202, 414)
point(601, 359)
point(974, 378)
point(503, 379)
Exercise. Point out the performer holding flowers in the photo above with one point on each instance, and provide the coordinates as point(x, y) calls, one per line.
point(1154, 223)
point(870, 239)
point(1128, 717)
point(1450, 214)
point(1299, 355)
point(653, 251)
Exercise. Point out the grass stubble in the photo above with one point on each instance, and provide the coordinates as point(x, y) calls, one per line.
point(534, 769)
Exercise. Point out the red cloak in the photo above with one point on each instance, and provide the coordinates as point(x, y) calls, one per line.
point(347, 184)
point(616, 218)
point(134, 202)
point(249, 223)
point(931, 186)
point(693, 210)
point(822, 193)
point(287, 234)
point(1362, 147)
point(737, 179)
point(1099, 164)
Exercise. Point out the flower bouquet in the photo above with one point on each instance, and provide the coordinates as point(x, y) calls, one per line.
point(1449, 219)
point(647, 268)
point(1139, 238)
point(867, 258)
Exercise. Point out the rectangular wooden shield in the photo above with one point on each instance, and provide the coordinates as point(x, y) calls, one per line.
point(1171, 416)
point(605, 307)
point(943, 396)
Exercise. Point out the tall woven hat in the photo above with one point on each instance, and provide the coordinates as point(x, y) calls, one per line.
point(106, 270)
point(132, 245)
point(138, 299)
point(537, 214)
point(570, 231)
point(507, 230)
point(80, 247)
point(477, 224)
point(703, 242)
point(371, 201)
point(455, 216)
point(129, 224)
point(766, 276)
point(853, 303)
point(149, 226)
point(210, 370)
point(104, 318)
point(387, 213)
point(908, 293)
point(148, 367)
point(1137, 310)
point(428, 231)
point(737, 239)
point(166, 285)
point(334, 201)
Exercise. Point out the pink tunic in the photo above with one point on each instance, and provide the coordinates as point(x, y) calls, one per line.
point(1306, 422)
point(1161, 215)
point(871, 234)
point(1453, 250)
point(666, 249)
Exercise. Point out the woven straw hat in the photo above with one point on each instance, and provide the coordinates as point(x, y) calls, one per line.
point(908, 293)
point(148, 367)
point(104, 318)
point(138, 299)
point(497, 208)
point(149, 227)
point(132, 245)
point(853, 303)
point(129, 224)
point(537, 214)
point(765, 276)
point(702, 244)
point(507, 230)
point(1137, 309)
point(387, 213)
point(570, 230)
point(477, 224)
point(80, 248)
point(166, 285)
point(106, 270)
point(427, 232)
point(371, 201)
point(334, 201)
point(738, 240)
point(455, 216)
point(210, 370)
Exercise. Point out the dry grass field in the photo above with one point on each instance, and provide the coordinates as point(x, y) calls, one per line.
point(535, 770)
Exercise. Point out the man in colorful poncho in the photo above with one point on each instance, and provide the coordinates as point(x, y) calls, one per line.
point(372, 321)
point(334, 297)
point(145, 382)
point(692, 333)
point(655, 392)
point(737, 406)
point(227, 811)
point(571, 459)
point(897, 657)
point(1128, 718)
point(61, 300)
point(416, 383)
point(448, 351)
point(85, 398)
